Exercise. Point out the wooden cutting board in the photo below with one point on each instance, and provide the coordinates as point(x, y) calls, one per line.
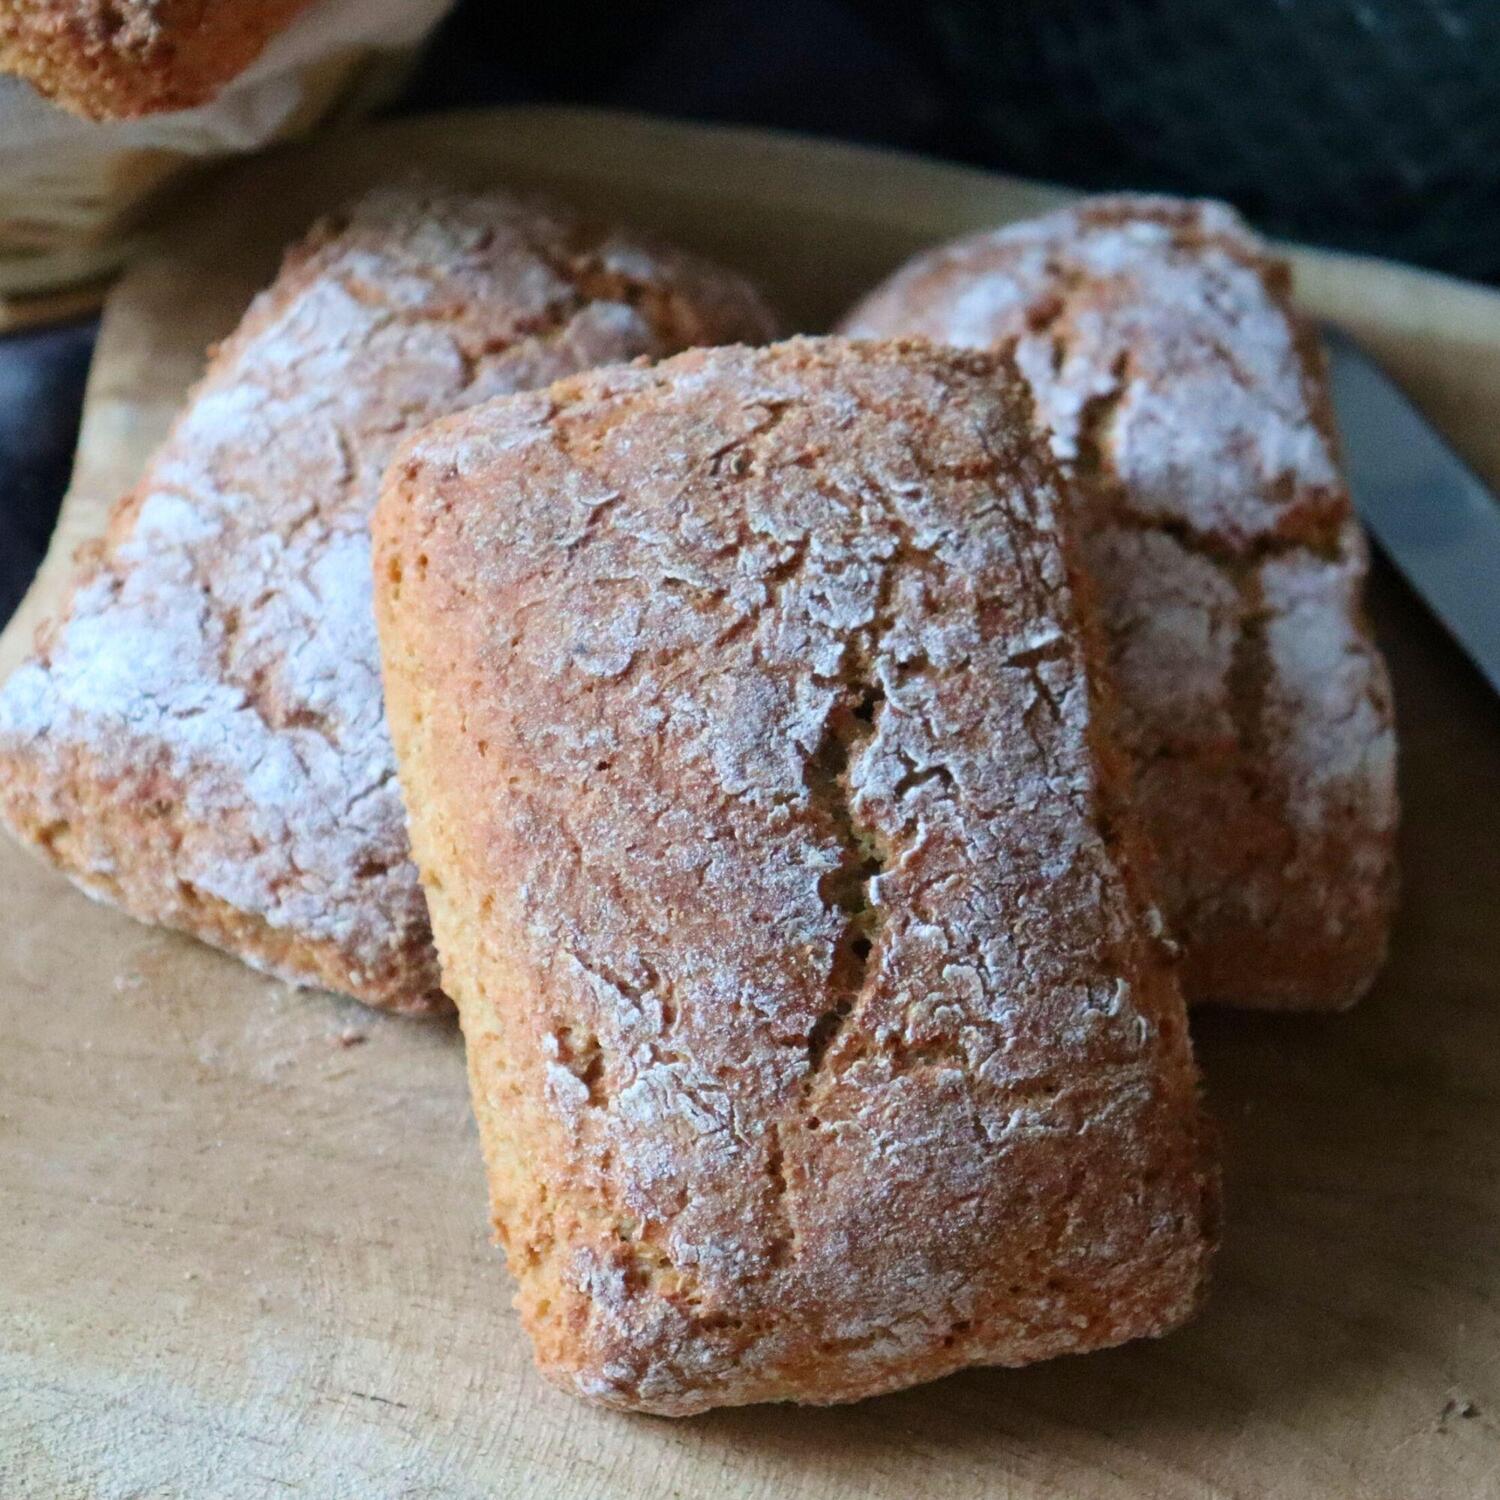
point(243, 1241)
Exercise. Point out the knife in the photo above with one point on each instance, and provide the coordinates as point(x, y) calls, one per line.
point(1431, 514)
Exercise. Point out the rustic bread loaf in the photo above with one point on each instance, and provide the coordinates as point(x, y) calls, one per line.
point(781, 875)
point(1186, 399)
point(116, 59)
point(200, 736)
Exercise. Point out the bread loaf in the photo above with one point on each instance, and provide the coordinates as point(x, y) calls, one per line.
point(1186, 399)
point(780, 870)
point(116, 59)
point(199, 736)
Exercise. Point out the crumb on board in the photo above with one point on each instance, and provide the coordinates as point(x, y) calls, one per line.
point(1457, 1405)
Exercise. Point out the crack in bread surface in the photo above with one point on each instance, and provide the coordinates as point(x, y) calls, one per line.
point(846, 888)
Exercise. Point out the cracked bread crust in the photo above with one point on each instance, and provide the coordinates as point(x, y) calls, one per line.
point(199, 736)
point(1186, 400)
point(780, 872)
point(118, 59)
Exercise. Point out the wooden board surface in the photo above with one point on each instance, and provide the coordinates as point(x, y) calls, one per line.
point(243, 1241)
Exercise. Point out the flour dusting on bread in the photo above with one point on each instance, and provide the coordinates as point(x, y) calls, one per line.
point(781, 872)
point(200, 736)
point(1185, 397)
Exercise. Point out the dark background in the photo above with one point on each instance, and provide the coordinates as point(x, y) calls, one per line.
point(1369, 124)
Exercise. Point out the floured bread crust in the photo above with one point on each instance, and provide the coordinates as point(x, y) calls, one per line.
point(199, 737)
point(1186, 399)
point(116, 59)
point(782, 877)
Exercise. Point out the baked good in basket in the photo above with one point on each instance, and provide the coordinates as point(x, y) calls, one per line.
point(114, 59)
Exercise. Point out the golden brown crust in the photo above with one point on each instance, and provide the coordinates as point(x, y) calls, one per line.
point(1187, 400)
point(816, 1039)
point(117, 59)
point(199, 736)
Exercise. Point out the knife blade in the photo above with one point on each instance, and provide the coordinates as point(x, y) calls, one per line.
point(1432, 515)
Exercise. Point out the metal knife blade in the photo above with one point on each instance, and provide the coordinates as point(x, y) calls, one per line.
point(1430, 513)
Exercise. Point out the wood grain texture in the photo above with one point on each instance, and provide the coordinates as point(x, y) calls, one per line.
point(243, 1254)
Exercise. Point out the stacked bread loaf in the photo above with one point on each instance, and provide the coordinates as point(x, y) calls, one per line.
point(1186, 401)
point(815, 756)
point(784, 880)
point(199, 736)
